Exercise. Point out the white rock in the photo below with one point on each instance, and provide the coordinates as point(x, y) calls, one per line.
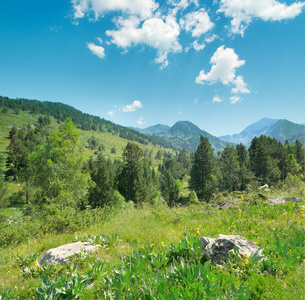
point(282, 200)
point(63, 253)
point(218, 250)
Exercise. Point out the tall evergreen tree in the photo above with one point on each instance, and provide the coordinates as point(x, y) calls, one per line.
point(245, 174)
point(203, 166)
point(230, 169)
point(169, 189)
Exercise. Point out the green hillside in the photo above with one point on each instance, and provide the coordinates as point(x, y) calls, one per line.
point(185, 134)
point(152, 129)
point(284, 130)
point(61, 111)
point(109, 139)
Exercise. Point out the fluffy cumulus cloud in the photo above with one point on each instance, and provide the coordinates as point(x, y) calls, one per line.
point(217, 99)
point(97, 50)
point(197, 22)
point(159, 24)
point(224, 64)
point(154, 32)
point(242, 12)
point(141, 8)
point(141, 121)
point(111, 113)
point(132, 107)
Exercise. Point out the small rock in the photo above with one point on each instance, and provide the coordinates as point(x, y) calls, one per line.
point(63, 253)
point(282, 200)
point(225, 205)
point(218, 250)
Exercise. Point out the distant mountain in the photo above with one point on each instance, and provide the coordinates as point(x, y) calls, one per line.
point(282, 130)
point(152, 129)
point(185, 134)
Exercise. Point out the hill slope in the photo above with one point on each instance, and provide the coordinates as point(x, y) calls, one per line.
point(106, 139)
point(83, 121)
point(152, 129)
point(185, 134)
point(284, 130)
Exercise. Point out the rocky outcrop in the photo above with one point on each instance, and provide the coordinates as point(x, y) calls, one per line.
point(282, 200)
point(61, 255)
point(218, 250)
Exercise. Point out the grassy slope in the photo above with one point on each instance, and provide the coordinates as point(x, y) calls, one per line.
point(136, 228)
point(10, 119)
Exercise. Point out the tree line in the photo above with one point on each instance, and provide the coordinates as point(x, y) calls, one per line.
point(53, 169)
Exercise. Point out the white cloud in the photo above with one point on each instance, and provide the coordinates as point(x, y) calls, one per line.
point(100, 40)
point(211, 38)
point(224, 64)
point(195, 101)
point(181, 5)
point(180, 112)
point(241, 86)
point(111, 113)
point(198, 46)
point(97, 50)
point(242, 12)
point(132, 107)
point(141, 8)
point(235, 99)
point(155, 32)
point(217, 99)
point(141, 121)
point(197, 22)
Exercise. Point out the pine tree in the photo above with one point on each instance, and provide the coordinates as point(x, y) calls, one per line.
point(230, 169)
point(245, 174)
point(203, 166)
point(169, 189)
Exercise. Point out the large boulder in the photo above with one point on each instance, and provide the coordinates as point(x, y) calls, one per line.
point(62, 254)
point(282, 200)
point(218, 250)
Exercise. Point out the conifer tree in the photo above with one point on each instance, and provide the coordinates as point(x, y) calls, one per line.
point(230, 169)
point(203, 166)
point(169, 189)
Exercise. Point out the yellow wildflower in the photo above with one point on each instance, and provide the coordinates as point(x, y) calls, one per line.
point(162, 243)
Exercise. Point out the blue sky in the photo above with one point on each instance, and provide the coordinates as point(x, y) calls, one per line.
point(220, 64)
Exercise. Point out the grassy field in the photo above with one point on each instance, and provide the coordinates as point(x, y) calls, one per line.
point(154, 243)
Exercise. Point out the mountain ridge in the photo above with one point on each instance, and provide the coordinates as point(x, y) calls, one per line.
point(280, 129)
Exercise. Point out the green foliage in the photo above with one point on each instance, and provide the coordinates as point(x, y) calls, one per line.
point(193, 199)
point(57, 168)
point(67, 287)
point(170, 189)
point(230, 169)
point(203, 166)
point(292, 166)
point(293, 182)
point(104, 240)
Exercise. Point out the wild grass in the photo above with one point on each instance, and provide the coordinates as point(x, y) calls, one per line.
point(140, 239)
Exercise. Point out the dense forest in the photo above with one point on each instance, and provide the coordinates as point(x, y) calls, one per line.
point(52, 169)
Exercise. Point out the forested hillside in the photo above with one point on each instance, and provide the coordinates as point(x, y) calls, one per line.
point(62, 111)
